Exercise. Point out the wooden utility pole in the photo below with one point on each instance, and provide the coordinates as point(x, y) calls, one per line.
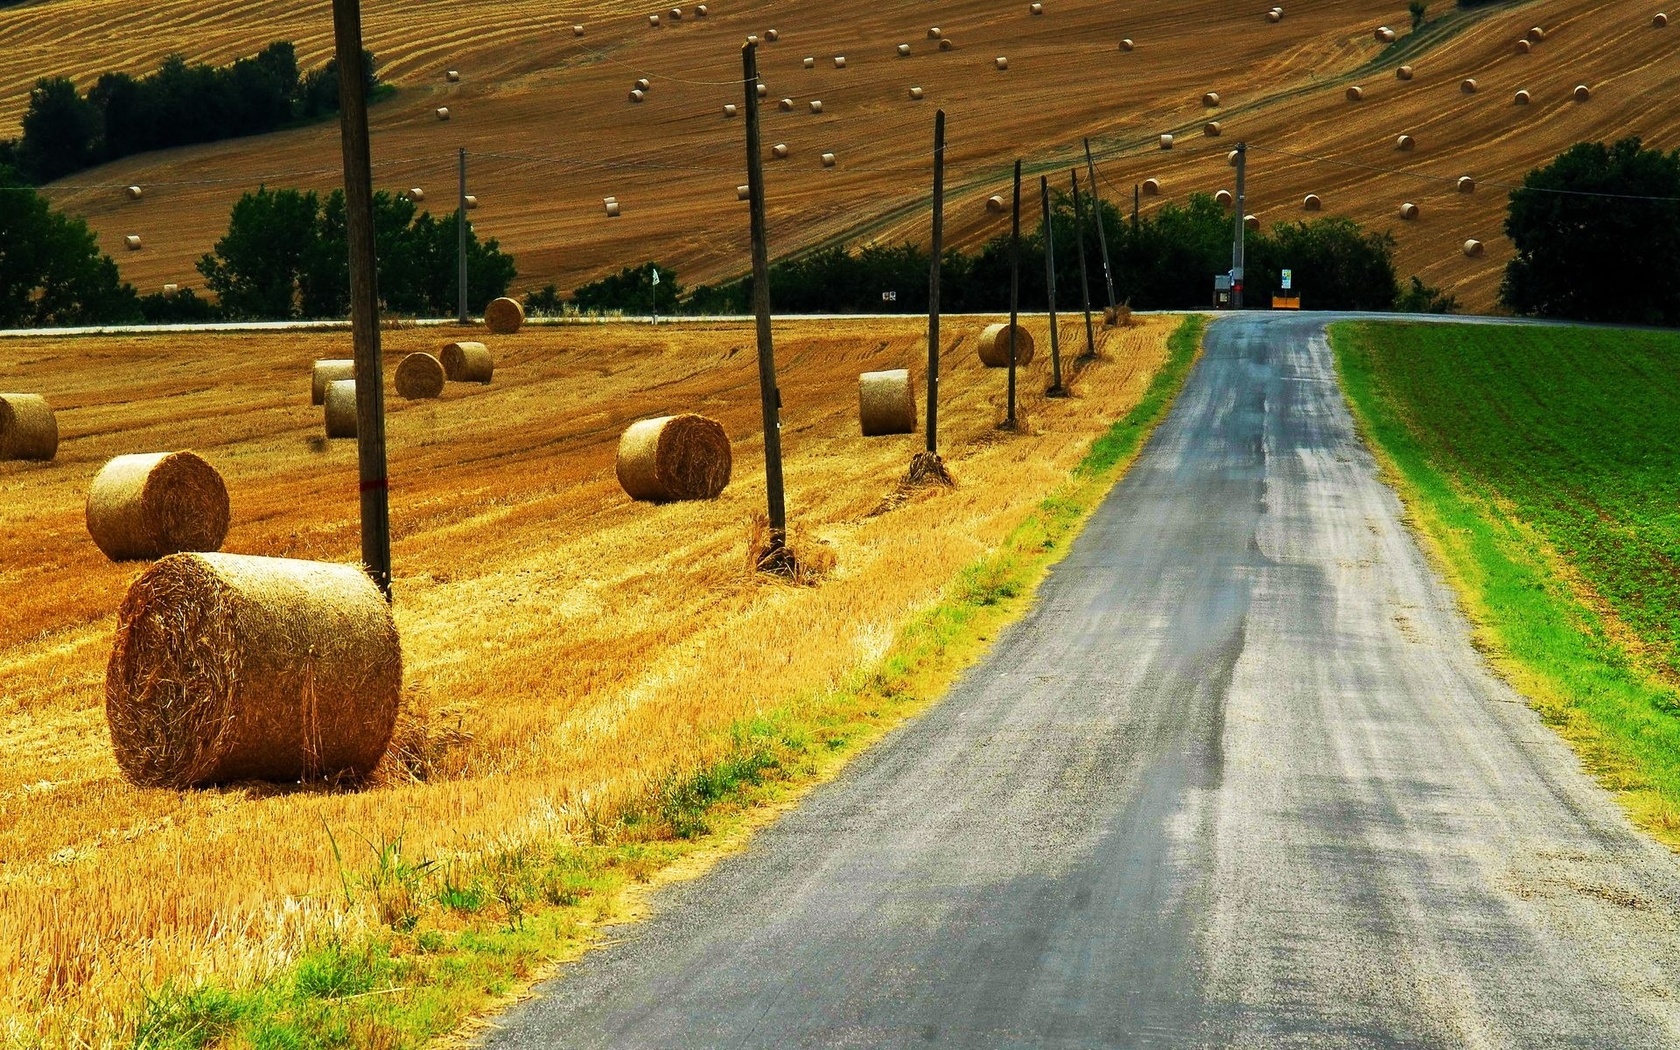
point(1014, 289)
point(461, 245)
point(1242, 224)
point(1102, 231)
point(770, 398)
point(1050, 290)
point(1084, 279)
point(364, 293)
point(933, 282)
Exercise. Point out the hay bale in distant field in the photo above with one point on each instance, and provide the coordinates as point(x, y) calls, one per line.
point(171, 289)
point(339, 408)
point(452, 75)
point(231, 667)
point(134, 193)
point(1467, 85)
point(994, 346)
point(752, 38)
point(1251, 221)
point(1466, 184)
point(1403, 73)
point(1211, 99)
point(816, 105)
point(1127, 44)
point(1524, 47)
point(680, 457)
point(772, 36)
point(328, 371)
point(887, 402)
point(785, 105)
point(995, 204)
point(653, 20)
point(779, 151)
point(472, 201)
point(1311, 202)
point(577, 30)
point(743, 193)
point(468, 361)
point(1582, 92)
point(915, 93)
point(1408, 211)
point(151, 504)
point(809, 62)
point(1151, 187)
point(415, 194)
point(636, 95)
point(1212, 129)
point(729, 109)
point(1166, 141)
point(1223, 198)
point(1355, 93)
point(1537, 34)
point(28, 428)
point(610, 205)
point(904, 51)
point(1659, 20)
point(1521, 98)
point(420, 377)
point(934, 33)
point(945, 44)
point(1232, 157)
point(504, 316)
point(828, 160)
point(644, 84)
point(1037, 9)
point(763, 91)
point(1001, 62)
point(1472, 248)
point(1405, 142)
point(1275, 15)
point(701, 11)
point(443, 112)
point(1384, 35)
point(132, 242)
point(839, 61)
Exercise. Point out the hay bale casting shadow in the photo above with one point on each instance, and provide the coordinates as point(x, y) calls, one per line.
point(152, 504)
point(887, 402)
point(420, 377)
point(994, 346)
point(674, 458)
point(468, 362)
point(28, 428)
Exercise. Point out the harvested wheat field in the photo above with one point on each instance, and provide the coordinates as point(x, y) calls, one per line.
point(543, 115)
point(564, 646)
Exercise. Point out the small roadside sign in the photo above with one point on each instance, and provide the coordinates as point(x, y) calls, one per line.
point(1288, 279)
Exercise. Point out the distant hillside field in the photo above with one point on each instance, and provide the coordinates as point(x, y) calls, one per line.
point(550, 130)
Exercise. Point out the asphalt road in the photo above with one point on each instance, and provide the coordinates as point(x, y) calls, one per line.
point(1238, 780)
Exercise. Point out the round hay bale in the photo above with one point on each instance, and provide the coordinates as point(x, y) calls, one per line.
point(1466, 184)
point(676, 14)
point(1405, 142)
point(1001, 62)
point(701, 11)
point(1212, 129)
point(1524, 47)
point(995, 204)
point(839, 61)
point(915, 93)
point(1582, 92)
point(1384, 35)
point(151, 504)
point(1151, 187)
point(416, 194)
point(1231, 158)
point(1659, 20)
point(1127, 44)
point(1408, 211)
point(828, 160)
point(1251, 221)
point(644, 84)
point(945, 44)
point(328, 371)
point(28, 428)
point(1355, 93)
point(729, 110)
point(763, 91)
point(472, 201)
point(994, 346)
point(452, 75)
point(779, 151)
point(743, 193)
point(1311, 202)
point(171, 289)
point(816, 105)
point(887, 402)
point(772, 36)
point(1211, 99)
point(1467, 85)
point(1223, 198)
point(1403, 73)
point(680, 457)
point(340, 408)
point(904, 51)
point(1537, 34)
point(232, 667)
point(1472, 248)
point(504, 316)
point(785, 105)
point(810, 62)
point(1521, 98)
point(468, 361)
point(934, 33)
point(577, 30)
point(653, 20)
point(636, 95)
point(1037, 9)
point(420, 377)
point(1274, 15)
point(134, 193)
point(752, 38)
point(1166, 141)
point(132, 242)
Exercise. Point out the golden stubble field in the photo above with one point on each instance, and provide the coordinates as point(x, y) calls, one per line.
point(546, 120)
point(566, 647)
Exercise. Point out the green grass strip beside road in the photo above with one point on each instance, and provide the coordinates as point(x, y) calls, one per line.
point(1539, 465)
point(451, 941)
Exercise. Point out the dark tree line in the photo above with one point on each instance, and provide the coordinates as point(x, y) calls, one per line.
point(65, 131)
point(51, 269)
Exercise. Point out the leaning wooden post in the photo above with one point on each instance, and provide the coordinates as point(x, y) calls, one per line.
point(1102, 232)
point(933, 282)
point(770, 398)
point(364, 293)
point(1050, 290)
point(1084, 280)
point(1014, 289)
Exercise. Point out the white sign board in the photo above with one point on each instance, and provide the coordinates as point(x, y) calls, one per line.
point(1288, 279)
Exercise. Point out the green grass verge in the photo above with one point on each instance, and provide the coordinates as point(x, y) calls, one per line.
point(1538, 466)
point(452, 940)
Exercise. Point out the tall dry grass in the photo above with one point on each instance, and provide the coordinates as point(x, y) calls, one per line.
point(566, 648)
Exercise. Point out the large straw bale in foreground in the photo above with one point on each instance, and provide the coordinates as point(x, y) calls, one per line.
point(674, 458)
point(341, 408)
point(328, 371)
point(420, 377)
point(504, 316)
point(232, 667)
point(151, 504)
point(994, 346)
point(887, 402)
point(28, 428)
point(468, 362)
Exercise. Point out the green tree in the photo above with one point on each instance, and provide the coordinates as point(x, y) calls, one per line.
point(631, 290)
point(51, 269)
point(61, 131)
point(1597, 234)
point(1337, 265)
point(1419, 12)
point(256, 267)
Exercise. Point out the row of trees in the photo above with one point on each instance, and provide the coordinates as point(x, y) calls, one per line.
point(65, 131)
point(51, 269)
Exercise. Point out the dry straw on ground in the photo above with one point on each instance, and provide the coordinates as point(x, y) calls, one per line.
point(504, 316)
point(468, 362)
point(340, 408)
point(151, 504)
point(671, 458)
point(232, 667)
point(994, 346)
point(328, 371)
point(420, 377)
point(28, 427)
point(887, 402)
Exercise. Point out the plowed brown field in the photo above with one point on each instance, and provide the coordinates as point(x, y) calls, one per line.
point(546, 119)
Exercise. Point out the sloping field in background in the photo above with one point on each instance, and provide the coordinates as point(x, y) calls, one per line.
point(546, 117)
point(567, 647)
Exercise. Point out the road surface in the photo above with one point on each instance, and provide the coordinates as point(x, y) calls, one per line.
point(1238, 779)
